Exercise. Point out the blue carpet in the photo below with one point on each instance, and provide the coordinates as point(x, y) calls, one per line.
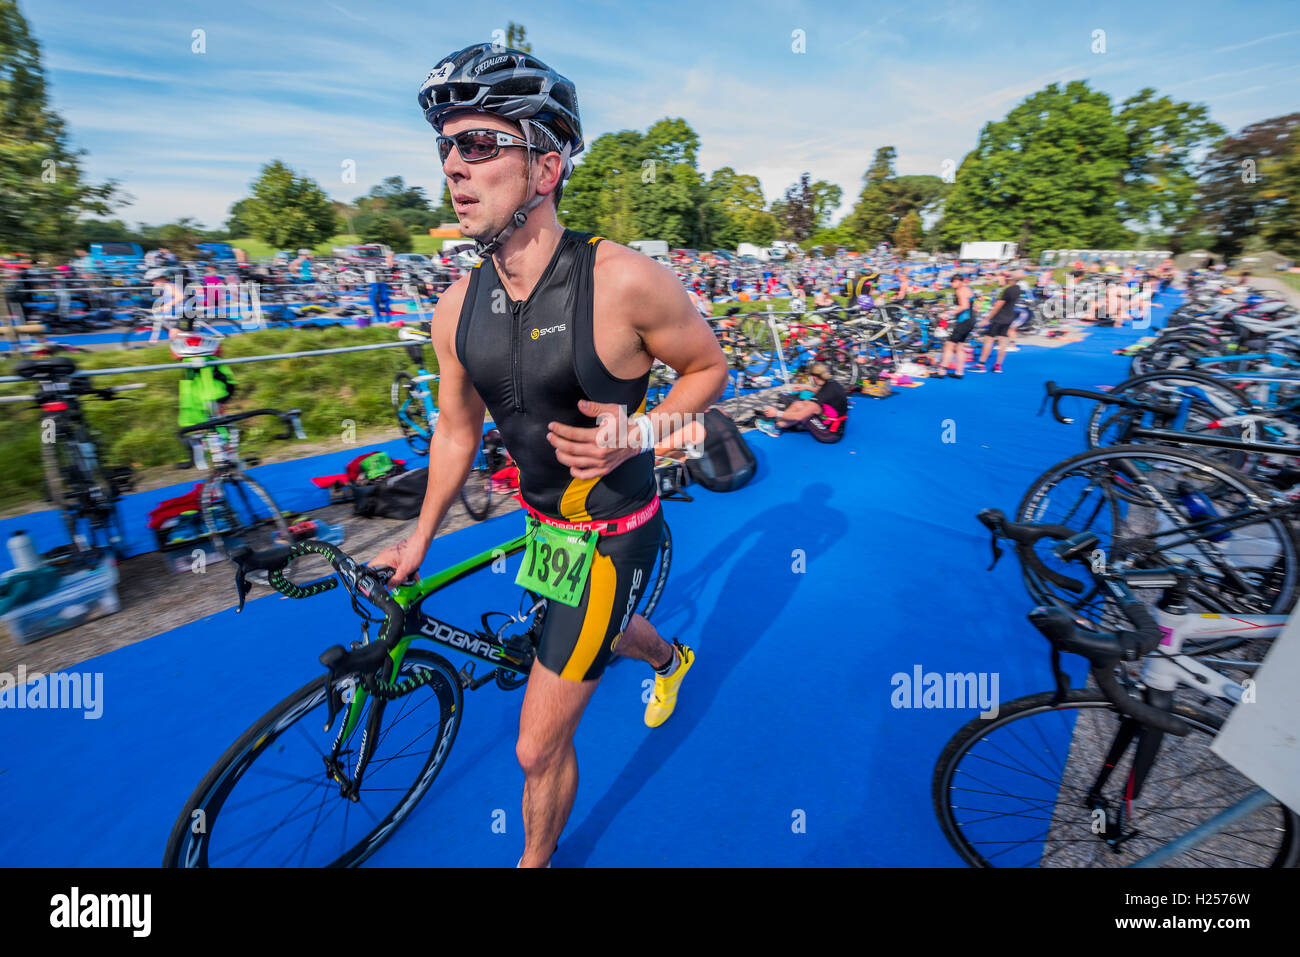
point(804, 593)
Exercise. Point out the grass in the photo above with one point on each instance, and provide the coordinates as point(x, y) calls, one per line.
point(256, 249)
point(141, 432)
point(1290, 278)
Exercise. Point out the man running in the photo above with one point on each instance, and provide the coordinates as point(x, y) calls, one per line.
point(555, 332)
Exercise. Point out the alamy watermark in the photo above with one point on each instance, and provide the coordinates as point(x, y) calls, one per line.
point(81, 691)
point(932, 689)
point(617, 431)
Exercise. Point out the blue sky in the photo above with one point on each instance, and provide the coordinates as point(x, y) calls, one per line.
point(317, 84)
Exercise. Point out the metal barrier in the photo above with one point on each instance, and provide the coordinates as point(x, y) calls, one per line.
point(219, 360)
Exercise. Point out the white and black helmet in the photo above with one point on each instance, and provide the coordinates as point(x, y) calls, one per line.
point(510, 83)
point(158, 272)
point(516, 85)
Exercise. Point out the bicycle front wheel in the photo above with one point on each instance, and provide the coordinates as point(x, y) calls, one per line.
point(476, 493)
point(1156, 506)
point(408, 398)
point(272, 801)
point(1019, 790)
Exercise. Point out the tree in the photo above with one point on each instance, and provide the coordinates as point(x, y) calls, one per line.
point(388, 230)
point(515, 38)
point(872, 220)
point(394, 194)
point(42, 193)
point(826, 198)
point(1163, 137)
point(1229, 203)
point(182, 237)
point(743, 218)
point(236, 225)
point(1279, 209)
point(908, 234)
point(1048, 176)
point(797, 209)
point(287, 210)
point(641, 186)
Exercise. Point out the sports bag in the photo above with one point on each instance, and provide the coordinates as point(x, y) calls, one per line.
point(728, 463)
point(399, 495)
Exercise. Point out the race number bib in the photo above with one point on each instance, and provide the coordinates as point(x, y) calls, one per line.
point(557, 562)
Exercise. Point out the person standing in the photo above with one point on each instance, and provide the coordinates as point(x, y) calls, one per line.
point(963, 318)
point(998, 324)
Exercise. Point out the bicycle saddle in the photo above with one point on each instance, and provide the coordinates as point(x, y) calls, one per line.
point(56, 368)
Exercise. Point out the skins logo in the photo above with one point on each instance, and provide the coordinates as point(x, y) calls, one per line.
point(631, 600)
point(538, 333)
point(462, 640)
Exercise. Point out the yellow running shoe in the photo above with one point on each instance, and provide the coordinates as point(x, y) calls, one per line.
point(664, 698)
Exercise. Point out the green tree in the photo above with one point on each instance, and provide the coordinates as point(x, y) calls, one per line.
point(181, 237)
point(42, 192)
point(288, 210)
point(641, 186)
point(908, 234)
point(796, 210)
point(826, 198)
point(100, 231)
point(236, 225)
point(1229, 204)
point(872, 220)
point(388, 230)
point(1050, 175)
point(739, 200)
point(1163, 137)
point(515, 38)
point(1279, 212)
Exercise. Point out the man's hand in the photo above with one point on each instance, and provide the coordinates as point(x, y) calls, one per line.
point(591, 453)
point(404, 558)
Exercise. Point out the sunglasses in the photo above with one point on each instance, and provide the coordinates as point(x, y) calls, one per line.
point(475, 146)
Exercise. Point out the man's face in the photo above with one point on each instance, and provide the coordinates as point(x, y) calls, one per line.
point(486, 194)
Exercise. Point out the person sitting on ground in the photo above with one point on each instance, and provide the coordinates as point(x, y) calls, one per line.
point(822, 414)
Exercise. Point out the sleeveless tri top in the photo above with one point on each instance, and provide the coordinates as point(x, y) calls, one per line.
point(531, 362)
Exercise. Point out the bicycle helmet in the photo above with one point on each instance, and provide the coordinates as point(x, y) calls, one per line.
point(488, 78)
point(192, 347)
point(155, 274)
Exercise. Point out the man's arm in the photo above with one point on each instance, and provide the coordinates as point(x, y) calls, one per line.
point(455, 441)
point(674, 332)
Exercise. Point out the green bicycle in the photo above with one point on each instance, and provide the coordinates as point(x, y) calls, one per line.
point(327, 775)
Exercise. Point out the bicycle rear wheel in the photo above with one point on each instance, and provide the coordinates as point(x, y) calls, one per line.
point(270, 800)
point(1017, 790)
point(238, 511)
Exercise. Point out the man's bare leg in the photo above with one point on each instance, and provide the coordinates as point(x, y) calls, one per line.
point(643, 642)
point(552, 708)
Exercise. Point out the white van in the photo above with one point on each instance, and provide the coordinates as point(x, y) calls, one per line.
point(653, 248)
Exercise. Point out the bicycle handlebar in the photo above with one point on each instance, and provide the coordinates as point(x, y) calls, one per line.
point(292, 424)
point(1103, 650)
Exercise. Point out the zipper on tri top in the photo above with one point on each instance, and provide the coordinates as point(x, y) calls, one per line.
point(517, 375)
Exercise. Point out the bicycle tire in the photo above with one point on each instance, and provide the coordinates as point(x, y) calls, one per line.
point(224, 522)
point(412, 414)
point(185, 848)
point(70, 485)
point(1276, 580)
point(476, 493)
point(1078, 834)
point(654, 590)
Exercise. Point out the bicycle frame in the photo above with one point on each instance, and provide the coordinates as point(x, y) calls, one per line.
point(419, 624)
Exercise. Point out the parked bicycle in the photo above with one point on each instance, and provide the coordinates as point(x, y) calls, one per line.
point(77, 482)
point(1122, 775)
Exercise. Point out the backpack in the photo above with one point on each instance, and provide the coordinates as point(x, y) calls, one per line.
point(398, 495)
point(728, 463)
